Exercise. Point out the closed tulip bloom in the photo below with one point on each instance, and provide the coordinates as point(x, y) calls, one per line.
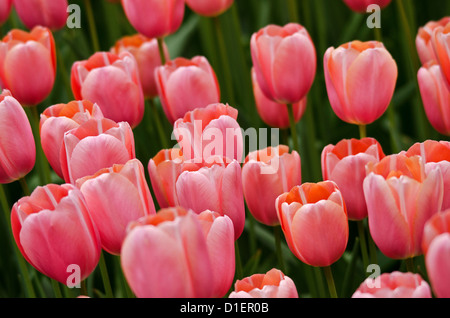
point(56, 120)
point(146, 53)
point(116, 196)
point(284, 59)
point(53, 231)
point(17, 145)
point(5, 10)
point(209, 8)
point(435, 96)
point(424, 43)
point(166, 256)
point(435, 226)
point(400, 198)
point(314, 220)
point(360, 6)
point(272, 113)
point(186, 84)
point(164, 169)
point(214, 186)
point(21, 51)
point(394, 285)
point(441, 45)
point(435, 154)
point(266, 174)
point(94, 145)
point(49, 13)
point(273, 284)
point(111, 81)
point(437, 262)
point(345, 164)
point(154, 18)
point(210, 131)
point(360, 79)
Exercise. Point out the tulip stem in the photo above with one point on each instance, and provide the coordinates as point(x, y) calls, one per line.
point(362, 131)
point(292, 124)
point(24, 185)
point(410, 265)
point(239, 270)
point(277, 234)
point(363, 244)
point(56, 289)
point(330, 281)
point(161, 50)
point(92, 28)
point(157, 121)
point(105, 276)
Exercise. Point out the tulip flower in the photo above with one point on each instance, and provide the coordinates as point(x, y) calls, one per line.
point(314, 220)
point(401, 196)
point(210, 131)
point(394, 285)
point(266, 174)
point(284, 60)
point(215, 186)
point(360, 80)
point(185, 84)
point(360, 6)
point(272, 113)
point(437, 262)
point(116, 196)
point(164, 169)
point(155, 18)
point(48, 13)
point(345, 164)
point(146, 53)
point(53, 230)
point(17, 146)
point(21, 51)
point(435, 96)
point(273, 284)
point(56, 120)
point(5, 10)
point(168, 255)
point(424, 43)
point(441, 45)
point(111, 81)
point(436, 225)
point(209, 8)
point(94, 145)
point(435, 154)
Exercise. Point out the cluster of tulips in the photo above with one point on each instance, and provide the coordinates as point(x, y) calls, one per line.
point(185, 245)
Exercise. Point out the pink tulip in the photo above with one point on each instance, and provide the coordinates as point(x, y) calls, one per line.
point(210, 131)
point(273, 113)
point(214, 186)
point(53, 231)
point(345, 164)
point(284, 59)
point(169, 255)
point(209, 8)
point(273, 284)
point(111, 81)
point(360, 79)
point(266, 174)
point(435, 96)
point(360, 6)
point(184, 85)
point(146, 53)
point(441, 45)
point(5, 10)
point(394, 285)
point(94, 145)
point(435, 226)
point(435, 154)
point(21, 52)
point(424, 43)
point(314, 220)
point(116, 196)
point(155, 18)
point(49, 13)
point(437, 261)
point(17, 146)
point(410, 196)
point(56, 120)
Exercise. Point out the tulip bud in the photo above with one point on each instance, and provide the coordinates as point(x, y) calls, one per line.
point(209, 8)
point(441, 45)
point(437, 262)
point(48, 13)
point(5, 10)
point(424, 43)
point(361, 6)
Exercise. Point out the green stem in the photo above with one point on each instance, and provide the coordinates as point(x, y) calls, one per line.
point(24, 185)
point(292, 124)
point(372, 250)
point(162, 55)
point(277, 235)
point(239, 270)
point(56, 288)
point(92, 27)
point(105, 276)
point(363, 243)
point(330, 281)
point(157, 121)
point(410, 265)
point(362, 131)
